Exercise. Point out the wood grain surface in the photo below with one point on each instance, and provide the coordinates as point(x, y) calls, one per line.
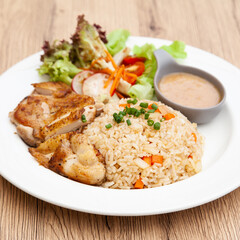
point(212, 25)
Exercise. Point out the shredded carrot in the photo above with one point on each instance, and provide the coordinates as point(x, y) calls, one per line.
point(150, 107)
point(124, 105)
point(109, 56)
point(116, 80)
point(95, 61)
point(119, 95)
point(157, 159)
point(190, 156)
point(130, 74)
point(122, 68)
point(195, 137)
point(105, 70)
point(109, 79)
point(139, 184)
point(147, 160)
point(169, 116)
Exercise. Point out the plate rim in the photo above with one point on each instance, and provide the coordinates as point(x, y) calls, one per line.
point(127, 213)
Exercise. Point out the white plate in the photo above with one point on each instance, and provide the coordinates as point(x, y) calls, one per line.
point(221, 161)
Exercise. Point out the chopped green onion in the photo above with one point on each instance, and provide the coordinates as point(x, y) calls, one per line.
point(83, 118)
point(151, 111)
point(157, 125)
point(128, 122)
point(144, 105)
point(142, 110)
point(128, 110)
point(133, 111)
point(122, 113)
point(146, 116)
point(154, 106)
point(119, 119)
point(137, 113)
point(163, 119)
point(150, 122)
point(134, 101)
point(129, 101)
point(108, 126)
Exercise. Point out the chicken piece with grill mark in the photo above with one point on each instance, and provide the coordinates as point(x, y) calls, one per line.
point(72, 156)
point(52, 109)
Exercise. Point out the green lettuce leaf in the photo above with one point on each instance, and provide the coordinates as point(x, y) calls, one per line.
point(150, 63)
point(141, 91)
point(176, 49)
point(144, 51)
point(117, 40)
point(142, 88)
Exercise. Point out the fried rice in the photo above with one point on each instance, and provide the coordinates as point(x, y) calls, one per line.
point(124, 147)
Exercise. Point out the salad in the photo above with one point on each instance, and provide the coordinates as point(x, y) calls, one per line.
point(102, 66)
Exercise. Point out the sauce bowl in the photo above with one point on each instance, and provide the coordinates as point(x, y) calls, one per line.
point(167, 65)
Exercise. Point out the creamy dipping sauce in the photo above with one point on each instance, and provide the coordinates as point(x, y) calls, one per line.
point(189, 90)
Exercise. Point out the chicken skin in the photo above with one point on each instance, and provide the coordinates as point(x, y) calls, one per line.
point(72, 156)
point(52, 109)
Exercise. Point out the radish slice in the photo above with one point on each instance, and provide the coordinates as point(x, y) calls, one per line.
point(77, 82)
point(123, 87)
point(94, 85)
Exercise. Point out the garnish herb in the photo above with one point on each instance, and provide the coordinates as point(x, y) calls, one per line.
point(122, 113)
point(134, 101)
point(108, 126)
point(128, 122)
point(151, 111)
point(83, 118)
point(137, 113)
point(154, 106)
point(150, 122)
point(131, 111)
point(144, 105)
point(146, 115)
point(157, 125)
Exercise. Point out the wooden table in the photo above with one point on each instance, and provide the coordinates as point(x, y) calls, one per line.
point(212, 25)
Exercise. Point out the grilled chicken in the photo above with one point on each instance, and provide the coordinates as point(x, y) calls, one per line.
point(52, 109)
point(71, 155)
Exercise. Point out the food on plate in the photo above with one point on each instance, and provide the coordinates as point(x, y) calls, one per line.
point(189, 90)
point(71, 155)
point(52, 109)
point(145, 144)
point(90, 49)
point(83, 125)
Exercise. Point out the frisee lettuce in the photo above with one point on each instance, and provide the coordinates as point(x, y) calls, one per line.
point(61, 60)
point(56, 62)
